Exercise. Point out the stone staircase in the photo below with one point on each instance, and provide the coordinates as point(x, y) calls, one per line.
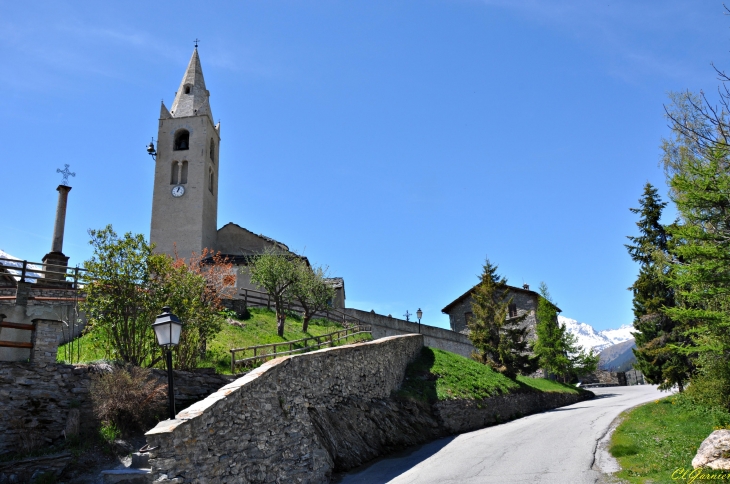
point(138, 472)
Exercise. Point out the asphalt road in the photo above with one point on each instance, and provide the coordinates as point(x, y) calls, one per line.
point(557, 446)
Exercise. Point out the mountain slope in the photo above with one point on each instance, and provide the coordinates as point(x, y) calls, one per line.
point(619, 357)
point(589, 338)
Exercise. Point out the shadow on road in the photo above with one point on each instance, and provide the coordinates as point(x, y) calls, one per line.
point(606, 395)
point(388, 468)
point(564, 409)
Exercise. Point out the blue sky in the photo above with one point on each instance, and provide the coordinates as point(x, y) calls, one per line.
point(397, 142)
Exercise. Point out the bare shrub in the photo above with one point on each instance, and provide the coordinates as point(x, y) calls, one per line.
point(130, 398)
point(29, 439)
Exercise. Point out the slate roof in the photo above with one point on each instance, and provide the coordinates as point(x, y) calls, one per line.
point(459, 299)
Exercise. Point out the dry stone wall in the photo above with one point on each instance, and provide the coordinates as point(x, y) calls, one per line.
point(301, 418)
point(36, 400)
point(434, 337)
point(267, 426)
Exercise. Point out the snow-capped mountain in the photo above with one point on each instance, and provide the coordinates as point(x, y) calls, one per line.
point(598, 340)
point(11, 264)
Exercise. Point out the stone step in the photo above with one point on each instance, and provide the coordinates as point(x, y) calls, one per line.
point(127, 476)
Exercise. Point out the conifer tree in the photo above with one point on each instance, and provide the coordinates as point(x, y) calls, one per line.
point(500, 342)
point(656, 333)
point(556, 348)
point(549, 345)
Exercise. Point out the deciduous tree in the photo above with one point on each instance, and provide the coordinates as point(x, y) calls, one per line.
point(312, 291)
point(276, 271)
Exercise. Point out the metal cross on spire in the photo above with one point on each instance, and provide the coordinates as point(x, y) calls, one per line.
point(65, 174)
point(407, 315)
point(196, 42)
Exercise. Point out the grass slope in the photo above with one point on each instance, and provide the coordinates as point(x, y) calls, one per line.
point(441, 375)
point(656, 439)
point(258, 329)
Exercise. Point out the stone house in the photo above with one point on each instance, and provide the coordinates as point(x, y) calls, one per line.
point(523, 301)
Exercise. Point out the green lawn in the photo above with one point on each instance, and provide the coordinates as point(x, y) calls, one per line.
point(258, 329)
point(656, 439)
point(441, 375)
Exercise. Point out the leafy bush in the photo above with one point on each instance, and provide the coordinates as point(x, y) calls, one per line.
point(127, 399)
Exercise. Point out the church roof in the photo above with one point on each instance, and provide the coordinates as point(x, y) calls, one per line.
point(192, 98)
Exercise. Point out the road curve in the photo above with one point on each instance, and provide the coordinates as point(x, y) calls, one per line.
point(557, 446)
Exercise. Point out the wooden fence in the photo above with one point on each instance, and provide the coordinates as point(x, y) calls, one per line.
point(16, 344)
point(253, 298)
point(260, 351)
point(39, 272)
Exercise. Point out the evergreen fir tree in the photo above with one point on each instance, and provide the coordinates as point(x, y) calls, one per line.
point(656, 333)
point(500, 341)
point(700, 270)
point(556, 348)
point(548, 347)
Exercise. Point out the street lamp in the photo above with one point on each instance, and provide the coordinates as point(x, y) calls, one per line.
point(167, 328)
point(419, 313)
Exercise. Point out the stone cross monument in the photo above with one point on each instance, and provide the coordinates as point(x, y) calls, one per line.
point(55, 260)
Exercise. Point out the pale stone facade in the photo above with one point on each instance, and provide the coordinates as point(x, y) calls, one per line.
point(185, 198)
point(187, 161)
point(523, 299)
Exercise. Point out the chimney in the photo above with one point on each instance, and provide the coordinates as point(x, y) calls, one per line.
point(526, 287)
point(55, 257)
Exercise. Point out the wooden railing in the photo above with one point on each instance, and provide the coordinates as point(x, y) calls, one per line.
point(260, 351)
point(260, 299)
point(37, 272)
point(16, 344)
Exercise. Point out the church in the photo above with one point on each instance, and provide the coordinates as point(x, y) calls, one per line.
point(185, 194)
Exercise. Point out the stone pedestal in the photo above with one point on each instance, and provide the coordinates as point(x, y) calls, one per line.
point(56, 262)
point(21, 293)
point(47, 336)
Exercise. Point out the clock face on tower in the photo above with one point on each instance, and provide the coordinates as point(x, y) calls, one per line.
point(178, 191)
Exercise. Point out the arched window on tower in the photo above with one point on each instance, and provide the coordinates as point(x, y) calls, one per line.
point(174, 173)
point(184, 172)
point(212, 150)
point(182, 140)
point(187, 88)
point(210, 180)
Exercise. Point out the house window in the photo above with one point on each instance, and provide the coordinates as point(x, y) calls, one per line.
point(182, 140)
point(512, 308)
point(468, 316)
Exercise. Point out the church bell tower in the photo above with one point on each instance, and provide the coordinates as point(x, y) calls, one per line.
point(185, 196)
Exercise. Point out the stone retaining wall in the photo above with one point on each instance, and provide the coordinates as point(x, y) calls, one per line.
point(263, 426)
point(35, 399)
point(299, 418)
point(458, 416)
point(443, 339)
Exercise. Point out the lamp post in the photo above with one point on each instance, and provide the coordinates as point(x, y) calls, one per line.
point(419, 313)
point(167, 328)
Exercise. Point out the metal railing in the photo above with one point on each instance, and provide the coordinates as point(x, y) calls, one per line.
point(260, 353)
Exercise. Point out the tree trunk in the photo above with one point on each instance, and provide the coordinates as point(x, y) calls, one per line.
point(305, 321)
point(280, 320)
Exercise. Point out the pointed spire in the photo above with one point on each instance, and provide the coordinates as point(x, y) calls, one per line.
point(192, 97)
point(164, 113)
